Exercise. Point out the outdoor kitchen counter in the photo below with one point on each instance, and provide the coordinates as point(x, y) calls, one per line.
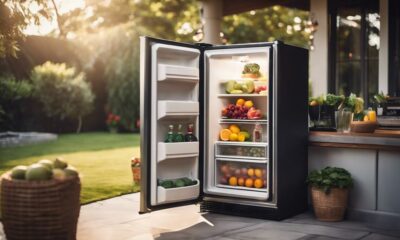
point(379, 140)
point(373, 159)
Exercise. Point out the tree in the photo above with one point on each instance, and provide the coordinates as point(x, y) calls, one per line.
point(14, 17)
point(12, 93)
point(62, 92)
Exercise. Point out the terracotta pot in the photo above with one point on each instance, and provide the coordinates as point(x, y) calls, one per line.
point(136, 174)
point(329, 207)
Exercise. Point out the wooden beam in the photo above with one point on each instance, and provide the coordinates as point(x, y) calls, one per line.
point(238, 6)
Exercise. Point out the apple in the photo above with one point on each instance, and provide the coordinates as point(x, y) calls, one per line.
point(254, 113)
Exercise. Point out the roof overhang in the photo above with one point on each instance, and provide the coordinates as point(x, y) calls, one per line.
point(238, 6)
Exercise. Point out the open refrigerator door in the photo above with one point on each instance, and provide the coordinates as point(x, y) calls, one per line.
point(172, 105)
point(237, 162)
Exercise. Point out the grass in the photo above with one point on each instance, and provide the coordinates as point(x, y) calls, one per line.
point(102, 159)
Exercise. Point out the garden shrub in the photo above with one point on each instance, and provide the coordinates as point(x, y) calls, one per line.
point(62, 91)
point(12, 94)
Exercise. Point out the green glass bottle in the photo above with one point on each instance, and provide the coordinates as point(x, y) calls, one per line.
point(170, 134)
point(179, 137)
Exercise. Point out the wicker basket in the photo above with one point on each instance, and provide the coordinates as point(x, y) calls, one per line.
point(40, 209)
point(329, 207)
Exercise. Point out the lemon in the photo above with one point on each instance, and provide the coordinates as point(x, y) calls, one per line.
point(233, 137)
point(248, 104)
point(241, 138)
point(246, 135)
point(234, 128)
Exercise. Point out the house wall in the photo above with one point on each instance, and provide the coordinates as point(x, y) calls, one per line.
point(319, 56)
point(318, 66)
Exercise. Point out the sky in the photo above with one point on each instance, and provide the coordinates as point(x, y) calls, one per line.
point(47, 26)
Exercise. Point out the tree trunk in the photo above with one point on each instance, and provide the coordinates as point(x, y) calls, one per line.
point(58, 18)
point(79, 124)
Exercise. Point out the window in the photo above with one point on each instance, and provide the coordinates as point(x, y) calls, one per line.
point(394, 48)
point(354, 47)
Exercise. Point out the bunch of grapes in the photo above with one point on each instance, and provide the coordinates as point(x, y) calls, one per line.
point(235, 111)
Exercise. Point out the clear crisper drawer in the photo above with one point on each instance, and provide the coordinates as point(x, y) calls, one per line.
point(177, 150)
point(243, 150)
point(241, 175)
point(166, 195)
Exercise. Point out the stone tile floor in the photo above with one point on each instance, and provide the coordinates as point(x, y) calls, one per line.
point(118, 219)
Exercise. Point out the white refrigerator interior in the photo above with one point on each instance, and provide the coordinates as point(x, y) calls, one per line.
point(247, 162)
point(175, 94)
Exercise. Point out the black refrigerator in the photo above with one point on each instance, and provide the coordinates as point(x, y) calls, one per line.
point(248, 107)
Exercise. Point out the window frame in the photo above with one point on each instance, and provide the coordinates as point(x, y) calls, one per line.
point(333, 6)
point(394, 32)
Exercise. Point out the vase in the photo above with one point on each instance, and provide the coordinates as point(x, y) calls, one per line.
point(343, 120)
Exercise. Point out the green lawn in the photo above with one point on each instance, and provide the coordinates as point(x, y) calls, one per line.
point(102, 159)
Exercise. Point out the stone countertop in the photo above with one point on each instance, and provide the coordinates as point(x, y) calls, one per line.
point(380, 139)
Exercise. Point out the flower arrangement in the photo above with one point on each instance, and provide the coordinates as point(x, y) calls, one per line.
point(135, 165)
point(113, 121)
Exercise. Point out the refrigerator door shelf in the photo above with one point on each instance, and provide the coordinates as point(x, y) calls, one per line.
point(168, 109)
point(169, 195)
point(243, 121)
point(177, 150)
point(228, 95)
point(177, 73)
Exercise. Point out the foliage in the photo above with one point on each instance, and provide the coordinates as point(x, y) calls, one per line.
point(380, 98)
point(334, 100)
point(113, 120)
point(102, 160)
point(62, 92)
point(330, 177)
point(12, 92)
point(268, 24)
point(354, 103)
point(14, 17)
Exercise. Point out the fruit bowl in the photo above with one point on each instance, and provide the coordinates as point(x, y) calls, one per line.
point(363, 126)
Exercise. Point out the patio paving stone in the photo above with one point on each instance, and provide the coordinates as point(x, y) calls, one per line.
point(118, 218)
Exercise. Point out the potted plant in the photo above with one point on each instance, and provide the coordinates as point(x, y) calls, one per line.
point(329, 192)
point(113, 122)
point(135, 164)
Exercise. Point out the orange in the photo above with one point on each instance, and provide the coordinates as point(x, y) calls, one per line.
point(258, 172)
point(366, 118)
point(233, 137)
point(241, 181)
point(249, 104)
point(234, 128)
point(249, 182)
point(224, 134)
point(240, 102)
point(250, 172)
point(258, 183)
point(233, 181)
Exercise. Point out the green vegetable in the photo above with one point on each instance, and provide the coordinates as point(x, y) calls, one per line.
point(252, 68)
point(330, 177)
point(179, 183)
point(187, 181)
point(334, 100)
point(354, 103)
point(167, 184)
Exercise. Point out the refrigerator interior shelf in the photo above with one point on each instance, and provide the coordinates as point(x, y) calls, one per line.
point(177, 108)
point(177, 150)
point(243, 188)
point(241, 159)
point(246, 144)
point(243, 121)
point(226, 95)
point(177, 73)
point(165, 195)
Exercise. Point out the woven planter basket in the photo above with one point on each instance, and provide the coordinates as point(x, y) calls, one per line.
point(329, 207)
point(40, 209)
